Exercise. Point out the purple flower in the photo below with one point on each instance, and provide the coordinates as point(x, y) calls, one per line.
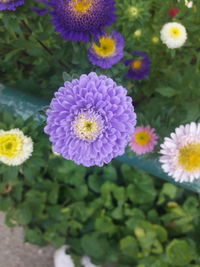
point(76, 19)
point(140, 67)
point(10, 4)
point(90, 120)
point(109, 51)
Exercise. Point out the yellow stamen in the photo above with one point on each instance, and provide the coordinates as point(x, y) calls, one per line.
point(189, 157)
point(86, 129)
point(10, 145)
point(142, 138)
point(106, 47)
point(136, 64)
point(81, 7)
point(174, 32)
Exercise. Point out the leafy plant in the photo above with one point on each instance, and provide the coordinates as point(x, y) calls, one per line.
point(114, 214)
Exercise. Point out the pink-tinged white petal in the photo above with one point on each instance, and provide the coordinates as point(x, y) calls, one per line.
point(184, 136)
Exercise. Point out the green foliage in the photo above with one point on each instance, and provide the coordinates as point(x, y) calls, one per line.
point(114, 214)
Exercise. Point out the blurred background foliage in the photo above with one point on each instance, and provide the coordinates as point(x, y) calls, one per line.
point(115, 214)
point(34, 58)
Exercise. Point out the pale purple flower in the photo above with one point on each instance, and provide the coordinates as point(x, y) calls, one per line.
point(90, 120)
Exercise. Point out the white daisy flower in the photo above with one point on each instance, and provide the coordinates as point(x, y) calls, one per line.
point(181, 153)
point(15, 147)
point(86, 262)
point(61, 259)
point(173, 34)
point(189, 4)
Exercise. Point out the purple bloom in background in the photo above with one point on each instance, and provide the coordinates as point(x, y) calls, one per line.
point(109, 51)
point(140, 67)
point(10, 4)
point(76, 19)
point(90, 120)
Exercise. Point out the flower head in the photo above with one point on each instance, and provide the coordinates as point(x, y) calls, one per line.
point(15, 147)
point(189, 4)
point(109, 51)
point(173, 34)
point(181, 153)
point(10, 4)
point(137, 33)
point(133, 11)
point(155, 39)
point(140, 67)
point(76, 19)
point(143, 140)
point(173, 12)
point(90, 120)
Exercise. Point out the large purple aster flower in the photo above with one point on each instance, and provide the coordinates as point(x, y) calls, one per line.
point(10, 4)
point(109, 51)
point(76, 19)
point(90, 120)
point(140, 67)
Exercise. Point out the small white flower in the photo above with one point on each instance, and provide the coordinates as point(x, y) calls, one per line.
point(189, 4)
point(173, 34)
point(181, 153)
point(15, 147)
point(61, 259)
point(85, 261)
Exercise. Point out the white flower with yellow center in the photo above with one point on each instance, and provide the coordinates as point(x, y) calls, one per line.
point(173, 34)
point(181, 153)
point(15, 147)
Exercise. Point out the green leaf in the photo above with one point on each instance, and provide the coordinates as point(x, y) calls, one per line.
point(95, 246)
point(104, 224)
point(142, 189)
point(129, 246)
point(34, 236)
point(166, 91)
point(95, 182)
point(24, 215)
point(179, 252)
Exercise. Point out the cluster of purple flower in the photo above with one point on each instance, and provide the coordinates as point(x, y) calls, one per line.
point(77, 20)
point(91, 119)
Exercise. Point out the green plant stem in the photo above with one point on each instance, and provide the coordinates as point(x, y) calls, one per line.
point(44, 46)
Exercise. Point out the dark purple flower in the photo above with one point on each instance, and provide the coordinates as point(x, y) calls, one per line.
point(90, 120)
point(109, 51)
point(76, 19)
point(10, 4)
point(139, 67)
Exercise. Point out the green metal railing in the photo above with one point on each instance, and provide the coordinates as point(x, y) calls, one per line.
point(26, 105)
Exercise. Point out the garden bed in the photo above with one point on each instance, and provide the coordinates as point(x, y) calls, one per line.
point(26, 105)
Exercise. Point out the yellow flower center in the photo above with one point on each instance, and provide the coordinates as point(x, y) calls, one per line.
point(10, 145)
point(105, 48)
point(86, 129)
point(81, 7)
point(136, 64)
point(174, 32)
point(142, 138)
point(189, 157)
